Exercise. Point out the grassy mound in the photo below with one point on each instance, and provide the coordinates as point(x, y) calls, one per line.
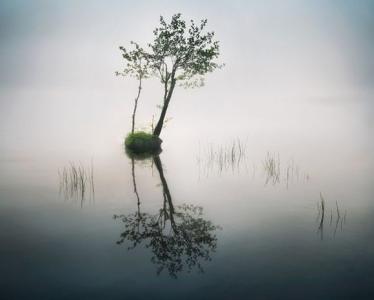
point(142, 142)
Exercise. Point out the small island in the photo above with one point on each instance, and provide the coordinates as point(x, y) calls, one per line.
point(143, 142)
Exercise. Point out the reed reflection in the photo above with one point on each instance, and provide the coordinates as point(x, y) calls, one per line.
point(76, 182)
point(233, 157)
point(179, 237)
point(335, 213)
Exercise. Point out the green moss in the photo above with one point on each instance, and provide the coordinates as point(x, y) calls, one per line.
point(139, 135)
point(142, 142)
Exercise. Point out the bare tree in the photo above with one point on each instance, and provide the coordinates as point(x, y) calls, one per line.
point(137, 67)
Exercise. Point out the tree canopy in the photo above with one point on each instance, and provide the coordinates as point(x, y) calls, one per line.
point(179, 53)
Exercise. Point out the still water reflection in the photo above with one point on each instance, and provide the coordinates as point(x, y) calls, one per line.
point(178, 236)
point(297, 220)
point(76, 183)
point(335, 214)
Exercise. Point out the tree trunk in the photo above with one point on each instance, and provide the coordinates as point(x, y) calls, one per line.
point(160, 123)
point(136, 105)
point(166, 192)
point(134, 183)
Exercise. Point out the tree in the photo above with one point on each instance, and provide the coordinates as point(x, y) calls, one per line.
point(179, 54)
point(136, 66)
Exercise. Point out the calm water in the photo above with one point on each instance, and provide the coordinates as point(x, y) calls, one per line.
point(215, 216)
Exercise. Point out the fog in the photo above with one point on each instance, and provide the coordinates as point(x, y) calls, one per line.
point(289, 65)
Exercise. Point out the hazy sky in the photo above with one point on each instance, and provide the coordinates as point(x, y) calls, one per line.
point(58, 58)
point(59, 43)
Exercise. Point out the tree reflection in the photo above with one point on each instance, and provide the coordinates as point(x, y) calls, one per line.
point(178, 236)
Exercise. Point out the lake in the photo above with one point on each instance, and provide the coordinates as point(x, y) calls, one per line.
point(264, 186)
point(220, 215)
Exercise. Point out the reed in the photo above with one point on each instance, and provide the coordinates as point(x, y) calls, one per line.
point(335, 213)
point(221, 158)
point(321, 215)
point(75, 180)
point(272, 168)
point(277, 172)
